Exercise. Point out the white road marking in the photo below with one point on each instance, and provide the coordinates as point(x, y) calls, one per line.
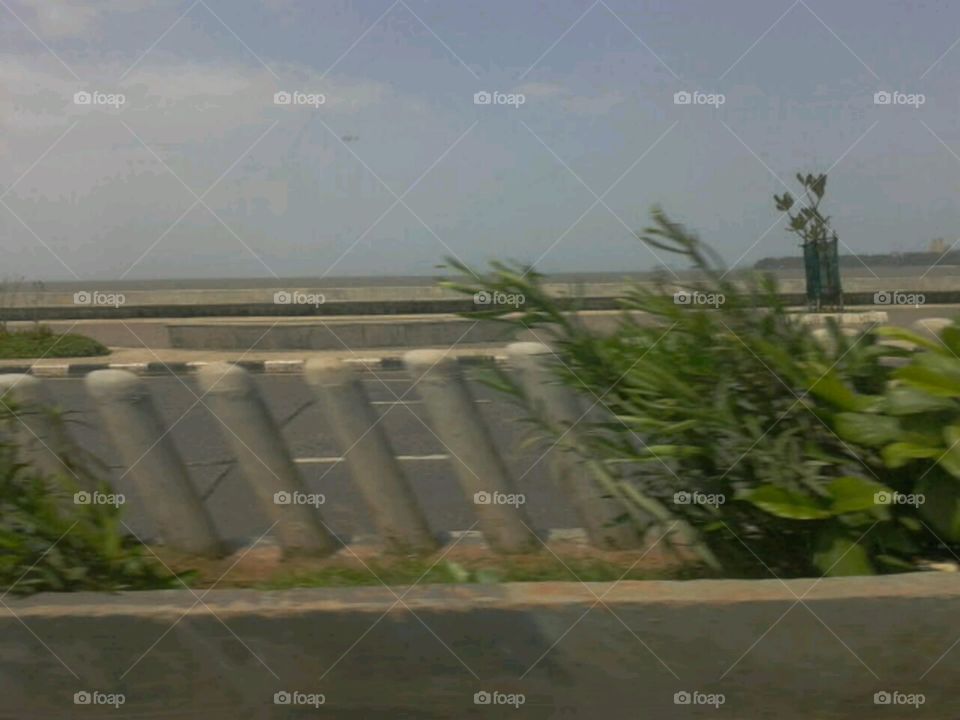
point(402, 458)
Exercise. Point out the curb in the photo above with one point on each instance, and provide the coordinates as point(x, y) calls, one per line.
point(492, 637)
point(266, 367)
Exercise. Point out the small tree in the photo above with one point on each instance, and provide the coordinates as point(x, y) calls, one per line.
point(819, 241)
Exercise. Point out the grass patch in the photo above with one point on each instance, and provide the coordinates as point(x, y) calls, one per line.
point(411, 571)
point(42, 342)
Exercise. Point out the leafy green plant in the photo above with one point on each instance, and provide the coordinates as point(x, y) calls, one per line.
point(730, 401)
point(50, 543)
point(818, 240)
point(913, 427)
point(808, 223)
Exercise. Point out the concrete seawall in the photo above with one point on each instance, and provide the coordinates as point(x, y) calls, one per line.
point(370, 656)
point(269, 334)
point(385, 300)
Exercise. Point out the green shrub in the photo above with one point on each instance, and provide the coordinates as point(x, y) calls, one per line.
point(735, 400)
point(42, 342)
point(914, 427)
point(50, 543)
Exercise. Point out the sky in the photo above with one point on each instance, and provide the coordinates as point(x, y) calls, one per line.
point(185, 163)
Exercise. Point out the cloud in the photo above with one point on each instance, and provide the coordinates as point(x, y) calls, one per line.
point(570, 102)
point(535, 90)
point(72, 18)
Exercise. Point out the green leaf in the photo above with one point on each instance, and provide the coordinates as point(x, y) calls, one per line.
point(898, 454)
point(457, 572)
point(853, 494)
point(784, 503)
point(950, 460)
point(829, 387)
point(950, 336)
point(936, 373)
point(838, 554)
point(896, 333)
point(870, 430)
point(905, 400)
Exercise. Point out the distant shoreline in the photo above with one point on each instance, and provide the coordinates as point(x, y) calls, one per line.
point(856, 269)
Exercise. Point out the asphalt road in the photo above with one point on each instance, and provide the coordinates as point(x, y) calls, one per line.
point(199, 437)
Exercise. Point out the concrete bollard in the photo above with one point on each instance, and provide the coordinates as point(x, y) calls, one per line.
point(42, 438)
point(153, 463)
point(263, 458)
point(480, 469)
point(559, 407)
point(370, 459)
point(824, 338)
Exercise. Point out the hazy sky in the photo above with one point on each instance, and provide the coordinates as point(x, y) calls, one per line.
point(200, 173)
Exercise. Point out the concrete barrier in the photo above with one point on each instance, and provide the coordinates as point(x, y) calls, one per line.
point(483, 476)
point(373, 464)
point(734, 649)
point(264, 459)
point(42, 440)
point(559, 407)
point(264, 298)
point(152, 461)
